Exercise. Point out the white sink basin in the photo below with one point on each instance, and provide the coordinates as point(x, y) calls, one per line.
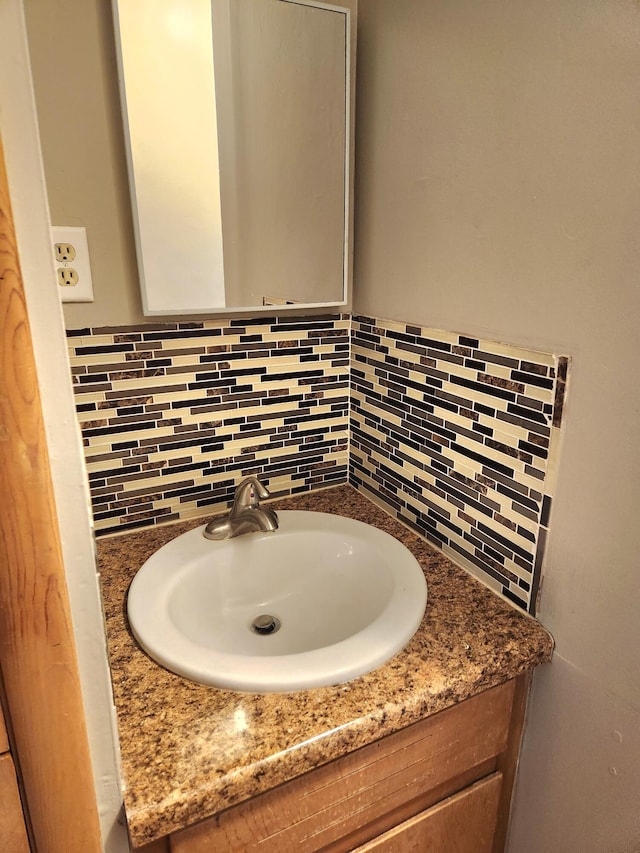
point(338, 598)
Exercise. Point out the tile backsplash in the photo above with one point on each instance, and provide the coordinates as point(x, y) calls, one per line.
point(457, 436)
point(454, 435)
point(172, 415)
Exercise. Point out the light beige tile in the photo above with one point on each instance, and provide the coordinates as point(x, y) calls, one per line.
point(538, 357)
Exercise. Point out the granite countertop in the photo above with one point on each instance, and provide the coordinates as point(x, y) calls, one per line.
point(189, 751)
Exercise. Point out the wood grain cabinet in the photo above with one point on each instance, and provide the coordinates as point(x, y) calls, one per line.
point(13, 834)
point(442, 785)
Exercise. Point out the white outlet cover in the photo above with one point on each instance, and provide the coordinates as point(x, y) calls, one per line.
point(83, 290)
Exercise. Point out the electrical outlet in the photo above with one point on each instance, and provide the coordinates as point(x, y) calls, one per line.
point(64, 252)
point(67, 277)
point(73, 270)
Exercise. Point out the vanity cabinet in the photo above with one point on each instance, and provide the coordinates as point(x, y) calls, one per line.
point(13, 834)
point(437, 786)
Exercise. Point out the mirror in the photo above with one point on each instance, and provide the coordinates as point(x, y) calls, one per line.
point(237, 118)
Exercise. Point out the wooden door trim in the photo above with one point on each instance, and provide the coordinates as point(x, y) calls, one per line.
point(37, 648)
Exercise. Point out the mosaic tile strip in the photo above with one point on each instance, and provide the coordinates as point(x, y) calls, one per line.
point(455, 436)
point(173, 415)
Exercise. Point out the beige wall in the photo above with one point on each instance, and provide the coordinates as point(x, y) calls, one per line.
point(73, 57)
point(74, 70)
point(498, 180)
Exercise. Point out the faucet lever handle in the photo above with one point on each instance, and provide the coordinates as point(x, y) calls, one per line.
point(249, 493)
point(239, 520)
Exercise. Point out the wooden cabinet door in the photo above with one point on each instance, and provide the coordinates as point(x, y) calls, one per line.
point(463, 823)
point(13, 835)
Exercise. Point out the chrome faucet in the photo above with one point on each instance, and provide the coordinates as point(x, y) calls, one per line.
point(246, 514)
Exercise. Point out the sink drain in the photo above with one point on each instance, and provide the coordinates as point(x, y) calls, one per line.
point(266, 624)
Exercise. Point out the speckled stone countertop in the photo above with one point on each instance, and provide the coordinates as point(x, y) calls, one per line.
point(189, 751)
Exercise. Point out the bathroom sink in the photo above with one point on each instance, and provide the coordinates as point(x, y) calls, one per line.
point(320, 601)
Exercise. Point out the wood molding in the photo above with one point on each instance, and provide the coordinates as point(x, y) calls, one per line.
point(508, 760)
point(37, 648)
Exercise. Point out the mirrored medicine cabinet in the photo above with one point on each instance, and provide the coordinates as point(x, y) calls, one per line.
point(238, 121)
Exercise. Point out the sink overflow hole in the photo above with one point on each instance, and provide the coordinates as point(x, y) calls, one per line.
point(266, 624)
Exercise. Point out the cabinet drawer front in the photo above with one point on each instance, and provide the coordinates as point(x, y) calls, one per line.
point(340, 798)
point(4, 740)
point(13, 835)
point(464, 823)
